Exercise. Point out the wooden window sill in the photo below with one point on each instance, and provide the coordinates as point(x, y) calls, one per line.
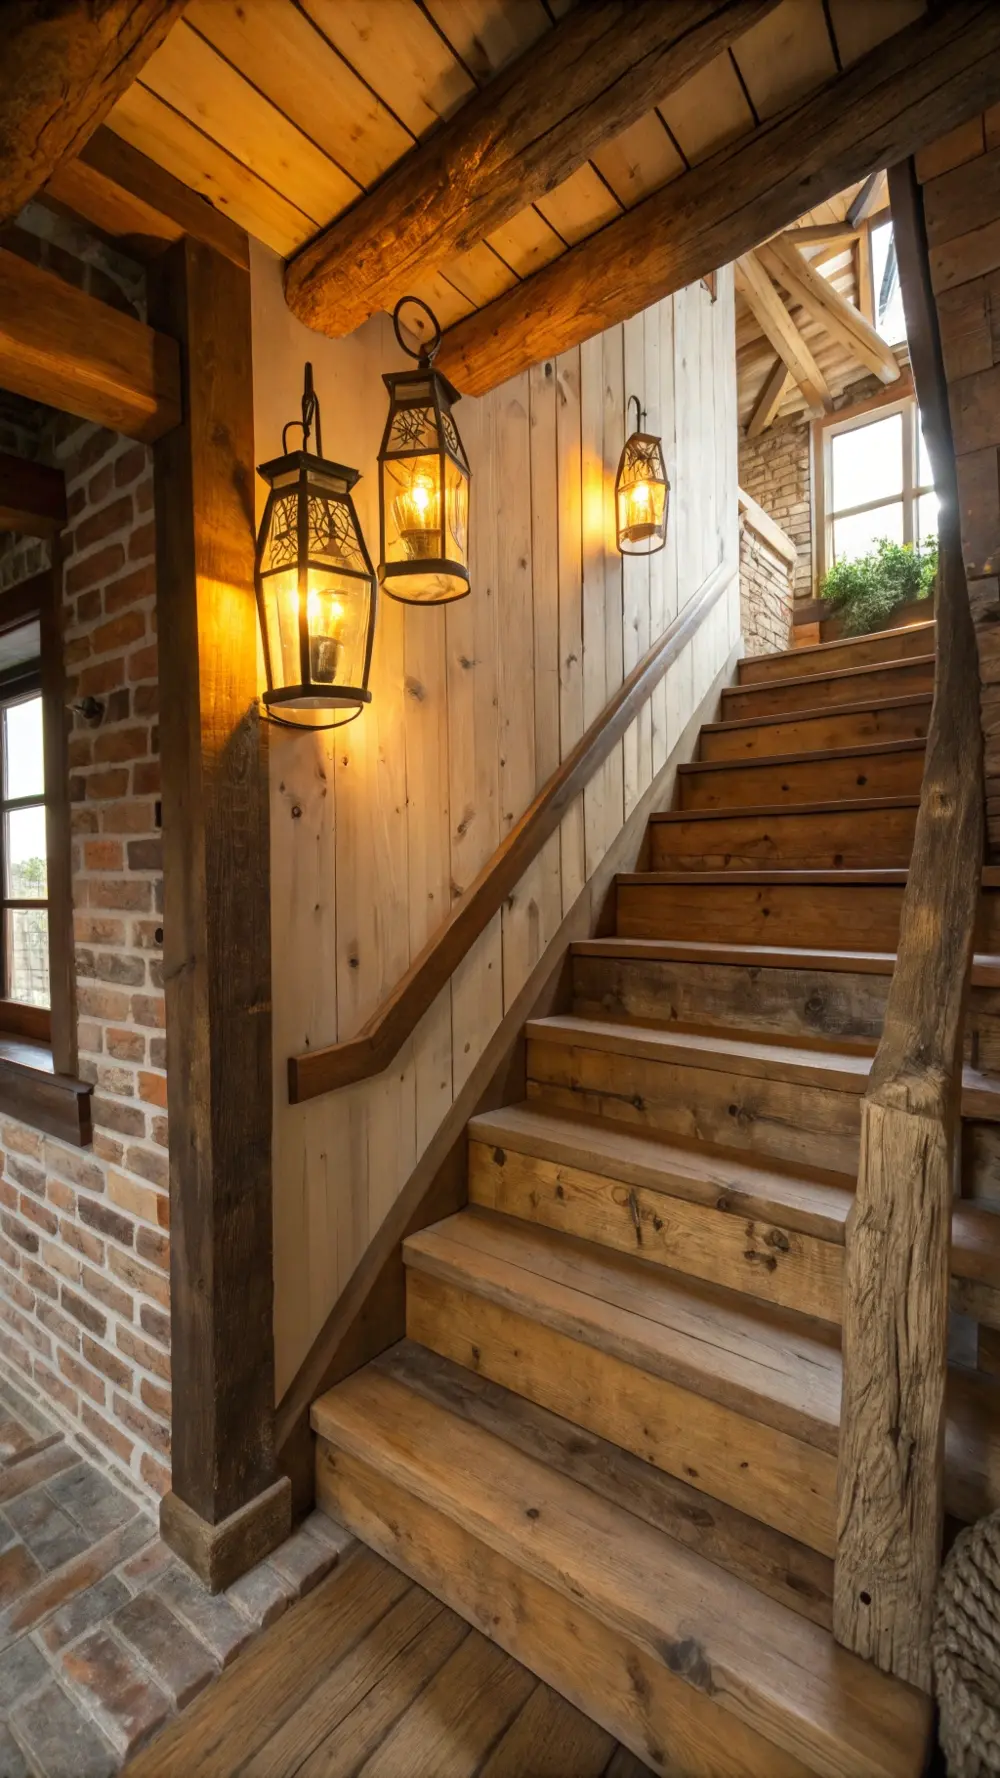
point(31, 1090)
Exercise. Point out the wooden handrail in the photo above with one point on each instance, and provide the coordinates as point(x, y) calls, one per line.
point(341, 1064)
point(890, 1477)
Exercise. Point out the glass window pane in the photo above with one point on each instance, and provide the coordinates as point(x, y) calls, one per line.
point(24, 768)
point(27, 948)
point(859, 534)
point(27, 877)
point(927, 517)
point(867, 463)
point(890, 320)
point(925, 472)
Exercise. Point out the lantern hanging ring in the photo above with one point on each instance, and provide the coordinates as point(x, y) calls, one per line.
point(429, 348)
point(310, 413)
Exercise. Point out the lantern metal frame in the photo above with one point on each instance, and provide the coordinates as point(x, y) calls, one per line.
point(641, 460)
point(307, 477)
point(427, 396)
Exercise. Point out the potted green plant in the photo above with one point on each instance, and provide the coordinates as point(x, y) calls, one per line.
point(864, 592)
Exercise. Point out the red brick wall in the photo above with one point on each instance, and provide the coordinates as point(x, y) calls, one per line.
point(84, 1289)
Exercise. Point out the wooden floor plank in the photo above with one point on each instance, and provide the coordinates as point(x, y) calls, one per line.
point(466, 1708)
point(549, 1739)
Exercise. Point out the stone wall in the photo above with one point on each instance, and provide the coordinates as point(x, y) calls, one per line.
point(84, 1287)
point(775, 471)
point(767, 571)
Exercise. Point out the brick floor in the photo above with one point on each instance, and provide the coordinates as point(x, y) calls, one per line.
point(104, 1636)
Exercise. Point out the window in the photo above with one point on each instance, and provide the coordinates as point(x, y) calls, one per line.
point(887, 296)
point(874, 480)
point(24, 891)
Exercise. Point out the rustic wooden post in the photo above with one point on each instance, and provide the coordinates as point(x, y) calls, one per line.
point(890, 1480)
point(227, 1507)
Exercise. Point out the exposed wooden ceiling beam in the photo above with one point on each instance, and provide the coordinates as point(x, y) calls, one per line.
point(32, 497)
point(910, 89)
point(870, 198)
point(777, 325)
point(63, 67)
point(595, 73)
point(60, 346)
point(773, 390)
point(812, 233)
point(841, 319)
point(139, 205)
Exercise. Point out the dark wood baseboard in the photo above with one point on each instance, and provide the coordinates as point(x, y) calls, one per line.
point(370, 1314)
point(219, 1554)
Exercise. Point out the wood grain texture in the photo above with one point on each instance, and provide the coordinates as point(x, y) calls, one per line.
point(891, 1477)
point(63, 69)
point(216, 899)
point(818, 296)
point(585, 81)
point(32, 497)
point(63, 347)
point(924, 80)
point(322, 1070)
point(819, 691)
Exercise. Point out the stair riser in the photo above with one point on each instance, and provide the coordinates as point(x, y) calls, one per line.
point(614, 1679)
point(817, 734)
point(719, 1244)
point(819, 693)
point(813, 1126)
point(791, 1120)
point(770, 1475)
point(862, 651)
point(779, 1003)
point(863, 916)
point(874, 839)
point(805, 781)
point(724, 1243)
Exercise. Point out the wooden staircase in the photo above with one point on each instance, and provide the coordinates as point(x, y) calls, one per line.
point(610, 1439)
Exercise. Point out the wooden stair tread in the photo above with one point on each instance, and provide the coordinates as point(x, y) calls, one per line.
point(740, 811)
point(831, 1067)
point(891, 877)
point(769, 1364)
point(862, 750)
point(846, 674)
point(809, 1200)
point(985, 969)
point(770, 1668)
point(822, 712)
point(785, 1570)
point(813, 1202)
point(822, 650)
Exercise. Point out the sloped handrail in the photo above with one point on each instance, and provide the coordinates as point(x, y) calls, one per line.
point(890, 1476)
point(317, 1071)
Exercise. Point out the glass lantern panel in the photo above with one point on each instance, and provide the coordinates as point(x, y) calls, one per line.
point(413, 429)
point(281, 608)
point(457, 512)
point(332, 533)
point(412, 490)
point(337, 612)
point(282, 547)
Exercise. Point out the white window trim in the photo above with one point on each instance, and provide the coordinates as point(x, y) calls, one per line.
point(880, 407)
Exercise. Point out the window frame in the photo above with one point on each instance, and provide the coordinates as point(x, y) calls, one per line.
point(897, 397)
point(20, 1016)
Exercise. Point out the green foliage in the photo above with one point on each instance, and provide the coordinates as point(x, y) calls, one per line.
point(866, 591)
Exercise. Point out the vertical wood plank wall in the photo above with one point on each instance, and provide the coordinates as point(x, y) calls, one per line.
point(960, 175)
point(377, 829)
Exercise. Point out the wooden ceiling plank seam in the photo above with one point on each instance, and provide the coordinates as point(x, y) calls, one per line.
point(757, 289)
point(146, 122)
point(831, 33)
point(482, 59)
point(819, 298)
point(587, 79)
point(745, 90)
point(858, 29)
point(399, 53)
point(921, 81)
point(203, 87)
point(526, 242)
point(309, 82)
point(674, 142)
point(785, 56)
point(639, 160)
point(708, 111)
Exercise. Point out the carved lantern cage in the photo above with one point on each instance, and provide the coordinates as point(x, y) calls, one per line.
point(423, 482)
point(642, 491)
point(316, 586)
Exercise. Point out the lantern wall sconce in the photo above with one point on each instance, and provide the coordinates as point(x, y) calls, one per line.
point(423, 481)
point(315, 584)
point(642, 491)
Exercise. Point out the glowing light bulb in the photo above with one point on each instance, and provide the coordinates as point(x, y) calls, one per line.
point(325, 616)
point(415, 510)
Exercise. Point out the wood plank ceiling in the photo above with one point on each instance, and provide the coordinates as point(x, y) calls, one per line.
point(284, 113)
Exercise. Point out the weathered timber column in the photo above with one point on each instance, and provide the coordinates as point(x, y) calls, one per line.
point(227, 1507)
point(891, 1464)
